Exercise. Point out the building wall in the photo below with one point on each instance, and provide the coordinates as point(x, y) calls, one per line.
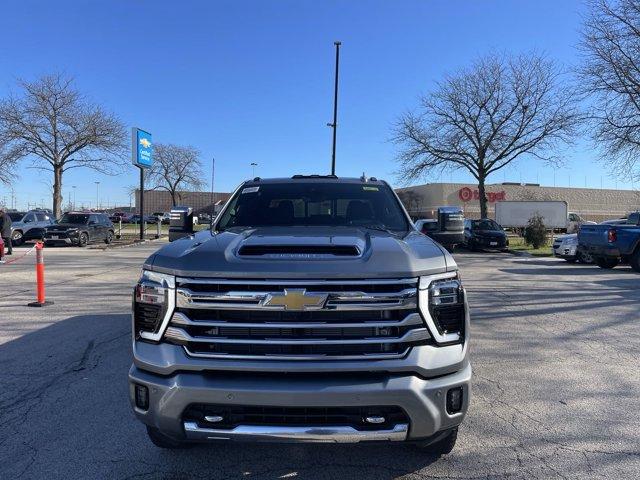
point(160, 200)
point(590, 203)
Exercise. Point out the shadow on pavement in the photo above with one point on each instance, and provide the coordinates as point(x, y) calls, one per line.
point(64, 413)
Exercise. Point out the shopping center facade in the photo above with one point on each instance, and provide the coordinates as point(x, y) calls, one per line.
point(590, 203)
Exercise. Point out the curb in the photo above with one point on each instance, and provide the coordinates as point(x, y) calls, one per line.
point(519, 254)
point(128, 245)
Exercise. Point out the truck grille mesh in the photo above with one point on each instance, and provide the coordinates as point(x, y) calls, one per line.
point(296, 320)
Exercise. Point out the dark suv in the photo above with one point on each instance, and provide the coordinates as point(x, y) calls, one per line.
point(485, 234)
point(80, 228)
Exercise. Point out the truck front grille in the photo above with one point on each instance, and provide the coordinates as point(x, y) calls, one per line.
point(297, 320)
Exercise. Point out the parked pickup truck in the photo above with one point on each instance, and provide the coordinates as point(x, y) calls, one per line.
point(312, 310)
point(611, 244)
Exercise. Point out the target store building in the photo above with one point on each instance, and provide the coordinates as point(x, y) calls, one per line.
point(593, 204)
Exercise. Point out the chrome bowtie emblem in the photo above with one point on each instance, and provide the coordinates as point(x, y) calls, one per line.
point(296, 299)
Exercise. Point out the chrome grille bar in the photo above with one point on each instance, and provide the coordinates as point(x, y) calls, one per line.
point(181, 336)
point(336, 300)
point(179, 319)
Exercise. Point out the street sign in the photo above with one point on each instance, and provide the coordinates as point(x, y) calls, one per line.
point(141, 148)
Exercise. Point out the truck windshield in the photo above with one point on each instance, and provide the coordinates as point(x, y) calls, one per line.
point(314, 203)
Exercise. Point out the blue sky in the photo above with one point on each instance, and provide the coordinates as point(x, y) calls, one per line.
point(252, 81)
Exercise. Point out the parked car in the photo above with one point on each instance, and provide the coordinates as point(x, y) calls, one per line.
point(29, 226)
point(566, 247)
point(118, 216)
point(447, 229)
point(166, 218)
point(1, 249)
point(80, 228)
point(367, 316)
point(147, 218)
point(610, 245)
point(484, 234)
point(159, 216)
point(426, 226)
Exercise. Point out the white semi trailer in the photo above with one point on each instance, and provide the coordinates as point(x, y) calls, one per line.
point(516, 214)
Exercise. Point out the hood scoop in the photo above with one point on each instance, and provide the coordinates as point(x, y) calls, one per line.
point(299, 250)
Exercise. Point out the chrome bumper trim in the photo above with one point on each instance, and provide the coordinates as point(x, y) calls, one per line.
point(338, 434)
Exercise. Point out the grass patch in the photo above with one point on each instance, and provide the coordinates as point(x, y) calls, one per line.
point(517, 244)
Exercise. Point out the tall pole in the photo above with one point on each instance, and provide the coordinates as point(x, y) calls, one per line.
point(97, 194)
point(253, 169)
point(213, 170)
point(74, 196)
point(334, 125)
point(141, 203)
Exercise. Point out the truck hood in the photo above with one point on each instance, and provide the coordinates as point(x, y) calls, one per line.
point(371, 254)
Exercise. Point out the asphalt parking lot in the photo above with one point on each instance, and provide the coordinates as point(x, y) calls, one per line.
point(555, 390)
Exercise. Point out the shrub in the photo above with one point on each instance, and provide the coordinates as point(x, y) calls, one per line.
point(535, 233)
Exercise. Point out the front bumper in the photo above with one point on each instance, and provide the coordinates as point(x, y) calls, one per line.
point(565, 251)
point(423, 400)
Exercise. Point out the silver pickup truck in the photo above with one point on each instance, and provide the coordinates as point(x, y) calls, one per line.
point(312, 310)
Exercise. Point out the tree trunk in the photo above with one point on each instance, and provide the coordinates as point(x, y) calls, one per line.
point(483, 196)
point(57, 191)
point(173, 198)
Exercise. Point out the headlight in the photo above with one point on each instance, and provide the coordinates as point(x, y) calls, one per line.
point(442, 304)
point(153, 302)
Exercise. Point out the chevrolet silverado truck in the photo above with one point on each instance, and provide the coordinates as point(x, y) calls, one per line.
point(610, 245)
point(311, 311)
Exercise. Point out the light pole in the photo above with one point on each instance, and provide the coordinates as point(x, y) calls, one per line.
point(253, 168)
point(213, 170)
point(74, 196)
point(97, 194)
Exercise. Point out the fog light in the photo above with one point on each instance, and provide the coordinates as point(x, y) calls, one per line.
point(142, 397)
point(454, 400)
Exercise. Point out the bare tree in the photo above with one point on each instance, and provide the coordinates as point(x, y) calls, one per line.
point(55, 127)
point(175, 168)
point(610, 72)
point(411, 200)
point(484, 117)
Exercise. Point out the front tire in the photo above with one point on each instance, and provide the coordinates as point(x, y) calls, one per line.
point(83, 239)
point(634, 260)
point(109, 237)
point(16, 238)
point(161, 440)
point(443, 446)
point(607, 263)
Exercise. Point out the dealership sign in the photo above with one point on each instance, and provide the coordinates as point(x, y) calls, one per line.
point(141, 148)
point(466, 195)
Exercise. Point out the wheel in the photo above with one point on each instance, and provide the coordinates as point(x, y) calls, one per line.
point(585, 258)
point(606, 263)
point(571, 260)
point(83, 239)
point(16, 238)
point(159, 439)
point(634, 260)
point(442, 446)
point(109, 237)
